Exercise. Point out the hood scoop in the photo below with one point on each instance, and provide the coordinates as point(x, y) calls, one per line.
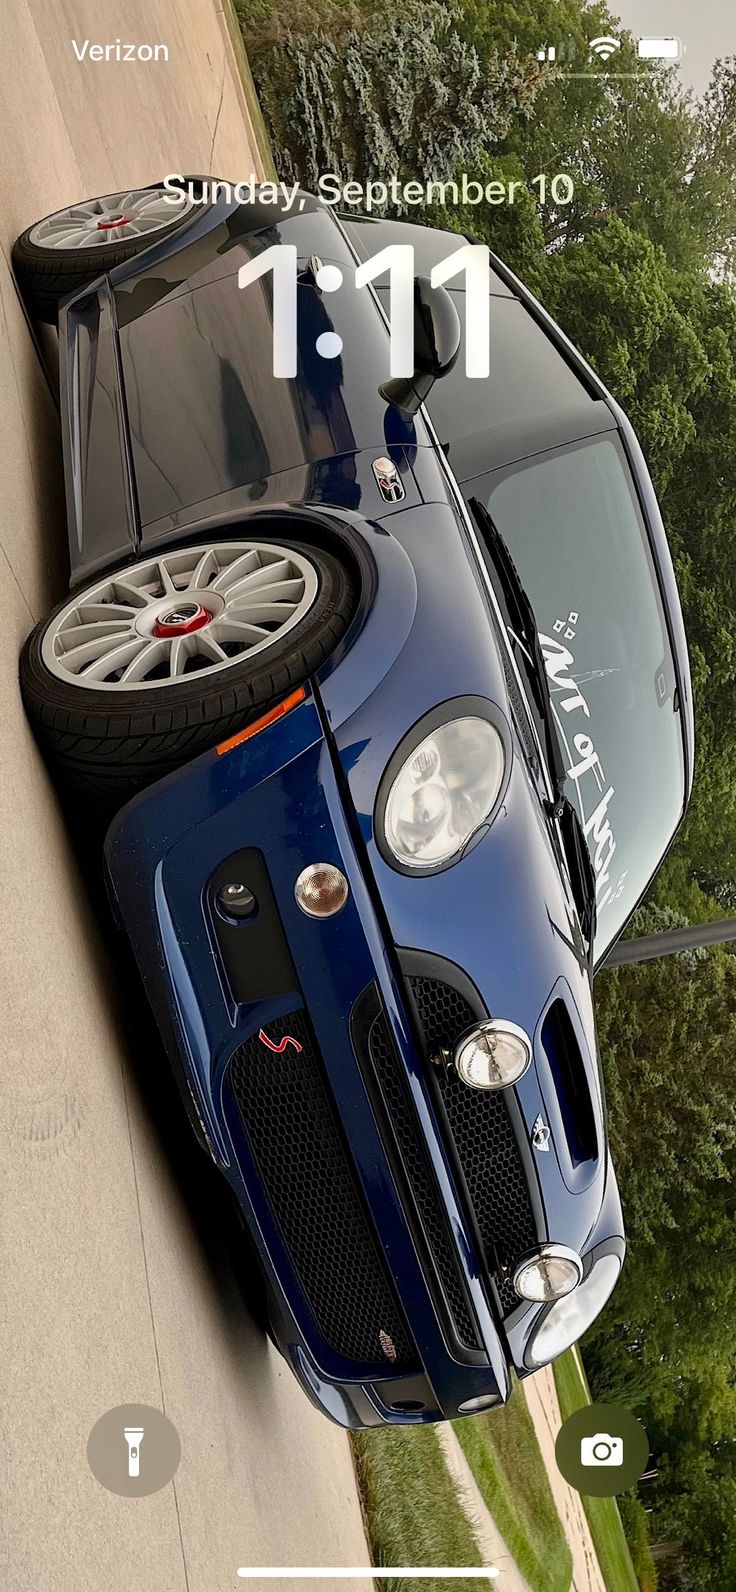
point(571, 1084)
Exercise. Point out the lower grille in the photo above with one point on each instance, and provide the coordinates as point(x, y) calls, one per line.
point(420, 1178)
point(483, 1138)
point(292, 1130)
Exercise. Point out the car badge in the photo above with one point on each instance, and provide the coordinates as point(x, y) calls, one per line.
point(387, 1344)
point(282, 1044)
point(389, 481)
point(541, 1134)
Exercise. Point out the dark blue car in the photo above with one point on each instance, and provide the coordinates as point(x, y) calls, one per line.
point(388, 683)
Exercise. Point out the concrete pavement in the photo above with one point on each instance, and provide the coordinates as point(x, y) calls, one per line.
point(71, 129)
point(116, 1284)
point(541, 1396)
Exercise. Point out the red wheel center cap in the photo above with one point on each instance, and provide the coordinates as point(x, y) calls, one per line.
point(120, 221)
point(181, 621)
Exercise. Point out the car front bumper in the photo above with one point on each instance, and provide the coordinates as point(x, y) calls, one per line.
point(372, 1265)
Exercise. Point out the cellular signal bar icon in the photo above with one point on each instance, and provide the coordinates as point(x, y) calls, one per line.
point(604, 47)
point(564, 50)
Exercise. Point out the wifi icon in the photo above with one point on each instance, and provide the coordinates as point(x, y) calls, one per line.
point(605, 46)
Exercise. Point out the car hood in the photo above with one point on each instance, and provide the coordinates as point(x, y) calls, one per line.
point(503, 915)
point(502, 919)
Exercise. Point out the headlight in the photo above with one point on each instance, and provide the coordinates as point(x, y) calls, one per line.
point(569, 1318)
point(493, 1055)
point(444, 792)
point(550, 1274)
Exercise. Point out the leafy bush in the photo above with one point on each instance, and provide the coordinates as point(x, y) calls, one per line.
point(265, 22)
point(635, 1524)
point(398, 92)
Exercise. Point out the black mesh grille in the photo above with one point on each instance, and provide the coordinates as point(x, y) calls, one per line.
point(484, 1140)
point(420, 1178)
point(292, 1130)
point(443, 1012)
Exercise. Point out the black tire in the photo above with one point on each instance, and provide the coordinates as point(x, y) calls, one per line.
point(46, 276)
point(110, 745)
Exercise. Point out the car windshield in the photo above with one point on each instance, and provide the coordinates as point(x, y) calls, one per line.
point(573, 526)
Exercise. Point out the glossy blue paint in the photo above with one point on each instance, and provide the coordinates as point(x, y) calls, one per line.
point(296, 457)
point(160, 853)
point(304, 790)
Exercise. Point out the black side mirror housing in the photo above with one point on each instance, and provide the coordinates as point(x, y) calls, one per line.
point(436, 347)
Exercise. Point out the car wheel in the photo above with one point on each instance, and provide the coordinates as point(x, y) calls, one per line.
point(58, 255)
point(151, 665)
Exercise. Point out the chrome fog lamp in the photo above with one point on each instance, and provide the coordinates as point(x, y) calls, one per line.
point(550, 1274)
point(493, 1055)
point(483, 1401)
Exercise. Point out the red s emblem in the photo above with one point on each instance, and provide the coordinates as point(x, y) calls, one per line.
point(281, 1047)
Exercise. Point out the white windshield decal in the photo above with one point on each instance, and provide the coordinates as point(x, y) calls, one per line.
point(583, 763)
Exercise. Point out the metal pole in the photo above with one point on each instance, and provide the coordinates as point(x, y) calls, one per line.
point(671, 943)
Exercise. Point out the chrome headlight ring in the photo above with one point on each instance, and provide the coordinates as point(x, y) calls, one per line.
point(561, 1322)
point(457, 802)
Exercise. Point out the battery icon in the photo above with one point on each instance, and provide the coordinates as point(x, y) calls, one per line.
point(659, 49)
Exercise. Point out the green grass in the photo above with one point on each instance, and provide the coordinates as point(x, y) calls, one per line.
point(504, 1456)
point(412, 1511)
point(603, 1516)
point(233, 15)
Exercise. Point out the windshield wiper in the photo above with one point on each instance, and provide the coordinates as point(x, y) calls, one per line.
point(524, 631)
point(582, 873)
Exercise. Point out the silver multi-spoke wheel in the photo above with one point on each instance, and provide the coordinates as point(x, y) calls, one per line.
point(159, 662)
point(114, 219)
point(180, 615)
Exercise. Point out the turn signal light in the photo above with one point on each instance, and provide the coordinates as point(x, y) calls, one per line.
point(271, 717)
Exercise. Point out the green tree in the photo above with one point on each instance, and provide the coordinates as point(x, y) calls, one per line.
point(397, 93)
point(667, 1034)
point(637, 146)
point(513, 231)
point(713, 183)
point(664, 1345)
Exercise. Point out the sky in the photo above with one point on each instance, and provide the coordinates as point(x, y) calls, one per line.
point(707, 29)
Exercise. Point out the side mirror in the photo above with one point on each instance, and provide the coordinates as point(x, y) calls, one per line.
point(436, 347)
